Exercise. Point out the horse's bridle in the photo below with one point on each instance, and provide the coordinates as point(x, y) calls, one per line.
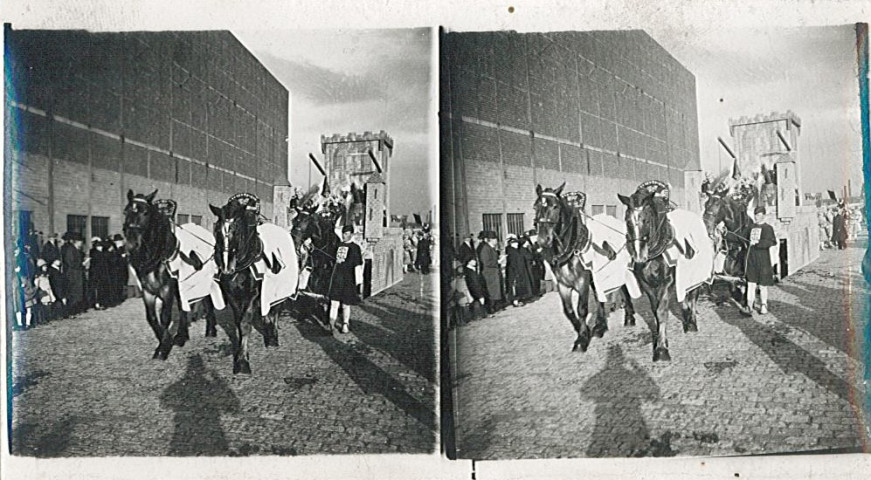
point(558, 243)
point(630, 239)
point(233, 250)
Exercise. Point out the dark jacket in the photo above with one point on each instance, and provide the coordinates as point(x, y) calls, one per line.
point(344, 282)
point(759, 269)
point(518, 273)
point(74, 271)
point(491, 272)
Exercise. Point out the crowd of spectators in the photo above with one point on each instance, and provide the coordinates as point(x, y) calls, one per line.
point(57, 278)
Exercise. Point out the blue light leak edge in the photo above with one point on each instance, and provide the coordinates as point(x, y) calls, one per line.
point(862, 54)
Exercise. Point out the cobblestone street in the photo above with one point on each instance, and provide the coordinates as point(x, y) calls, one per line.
point(87, 386)
point(789, 381)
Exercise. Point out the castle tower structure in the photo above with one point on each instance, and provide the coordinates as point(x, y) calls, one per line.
point(769, 143)
point(348, 160)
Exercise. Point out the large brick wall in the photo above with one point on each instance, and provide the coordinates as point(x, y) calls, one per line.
point(602, 111)
point(193, 114)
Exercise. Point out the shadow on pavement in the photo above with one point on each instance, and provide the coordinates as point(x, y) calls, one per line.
point(53, 443)
point(788, 356)
point(823, 322)
point(198, 400)
point(369, 377)
point(618, 391)
point(401, 334)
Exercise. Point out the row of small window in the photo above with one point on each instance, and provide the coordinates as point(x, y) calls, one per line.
point(493, 221)
point(99, 225)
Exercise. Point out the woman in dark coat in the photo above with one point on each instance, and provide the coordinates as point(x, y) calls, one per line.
point(99, 273)
point(518, 273)
point(759, 271)
point(491, 271)
point(839, 229)
point(343, 285)
point(73, 267)
point(423, 259)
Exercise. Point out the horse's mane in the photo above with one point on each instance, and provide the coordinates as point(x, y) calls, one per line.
point(157, 242)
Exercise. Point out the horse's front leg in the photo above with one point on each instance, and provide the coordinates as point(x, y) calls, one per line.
point(167, 338)
point(688, 309)
point(243, 331)
point(270, 328)
point(601, 325)
point(182, 335)
point(150, 302)
point(580, 325)
point(628, 308)
point(660, 313)
point(211, 321)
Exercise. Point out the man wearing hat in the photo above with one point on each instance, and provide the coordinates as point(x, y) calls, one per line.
point(120, 269)
point(468, 258)
point(343, 285)
point(491, 271)
point(51, 250)
point(73, 261)
point(759, 271)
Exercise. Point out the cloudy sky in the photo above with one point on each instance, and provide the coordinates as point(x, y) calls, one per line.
point(811, 71)
point(343, 81)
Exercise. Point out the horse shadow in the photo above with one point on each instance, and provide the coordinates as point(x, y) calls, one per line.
point(370, 377)
point(788, 356)
point(198, 399)
point(52, 443)
point(618, 391)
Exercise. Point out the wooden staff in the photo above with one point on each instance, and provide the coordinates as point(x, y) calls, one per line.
point(318, 165)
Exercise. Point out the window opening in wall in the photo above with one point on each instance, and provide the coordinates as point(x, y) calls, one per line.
point(197, 219)
point(597, 209)
point(611, 210)
point(515, 224)
point(100, 227)
point(77, 224)
point(493, 222)
point(183, 218)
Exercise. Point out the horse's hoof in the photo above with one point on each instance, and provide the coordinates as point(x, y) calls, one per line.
point(582, 343)
point(159, 355)
point(599, 330)
point(690, 327)
point(241, 366)
point(180, 341)
point(211, 333)
point(629, 321)
point(661, 354)
point(270, 341)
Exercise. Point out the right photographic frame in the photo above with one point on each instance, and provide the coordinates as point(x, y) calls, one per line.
point(653, 242)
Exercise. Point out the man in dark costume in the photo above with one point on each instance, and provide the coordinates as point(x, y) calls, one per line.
point(343, 285)
point(759, 271)
point(423, 259)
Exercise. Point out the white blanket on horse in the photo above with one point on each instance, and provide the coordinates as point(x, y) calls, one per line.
point(689, 272)
point(277, 247)
point(609, 275)
point(193, 284)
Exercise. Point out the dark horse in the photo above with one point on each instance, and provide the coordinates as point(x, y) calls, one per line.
point(732, 243)
point(649, 234)
point(151, 244)
point(316, 240)
point(562, 235)
point(237, 247)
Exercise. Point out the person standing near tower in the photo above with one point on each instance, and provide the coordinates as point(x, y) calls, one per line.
point(759, 271)
point(343, 285)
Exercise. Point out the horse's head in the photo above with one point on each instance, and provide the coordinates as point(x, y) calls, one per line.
point(717, 210)
point(642, 223)
point(306, 226)
point(139, 214)
point(234, 231)
point(548, 210)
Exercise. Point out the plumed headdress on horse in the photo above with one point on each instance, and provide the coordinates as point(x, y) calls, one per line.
point(659, 191)
point(247, 200)
point(167, 207)
point(578, 200)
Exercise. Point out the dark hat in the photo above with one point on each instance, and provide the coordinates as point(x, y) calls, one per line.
point(65, 236)
point(759, 209)
point(482, 235)
point(348, 229)
point(530, 233)
point(117, 237)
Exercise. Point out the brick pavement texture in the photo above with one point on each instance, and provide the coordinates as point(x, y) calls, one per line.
point(87, 386)
point(789, 381)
